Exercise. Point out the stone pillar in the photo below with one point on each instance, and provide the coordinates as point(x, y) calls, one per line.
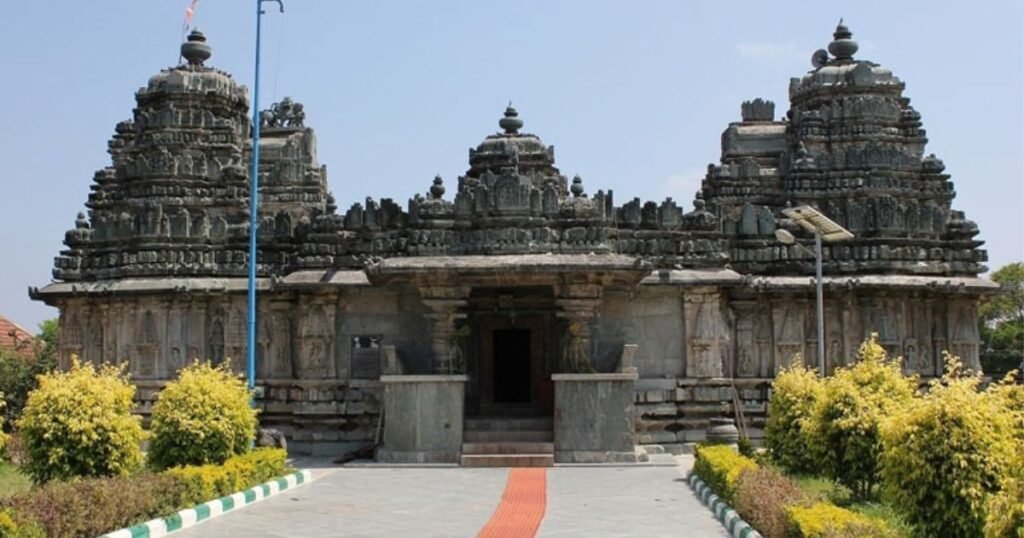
point(444, 301)
point(705, 329)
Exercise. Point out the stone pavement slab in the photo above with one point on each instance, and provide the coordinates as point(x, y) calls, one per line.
point(600, 501)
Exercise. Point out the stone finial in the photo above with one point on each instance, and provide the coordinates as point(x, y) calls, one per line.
point(577, 186)
point(843, 47)
point(82, 223)
point(758, 110)
point(511, 122)
point(194, 49)
point(437, 189)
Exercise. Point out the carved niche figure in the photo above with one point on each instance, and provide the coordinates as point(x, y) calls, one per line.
point(704, 349)
point(746, 360)
point(236, 341)
point(144, 363)
point(72, 340)
point(788, 336)
point(315, 360)
point(95, 352)
point(215, 341)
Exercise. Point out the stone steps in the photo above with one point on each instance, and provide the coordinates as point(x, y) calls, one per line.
point(504, 440)
point(501, 424)
point(509, 447)
point(508, 460)
point(519, 436)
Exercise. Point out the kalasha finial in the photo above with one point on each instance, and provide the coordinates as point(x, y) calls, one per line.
point(511, 122)
point(437, 188)
point(195, 49)
point(577, 186)
point(843, 47)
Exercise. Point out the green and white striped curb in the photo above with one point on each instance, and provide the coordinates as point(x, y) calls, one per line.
point(189, 517)
point(729, 518)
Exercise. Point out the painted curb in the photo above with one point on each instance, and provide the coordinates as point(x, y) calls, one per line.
point(189, 517)
point(730, 519)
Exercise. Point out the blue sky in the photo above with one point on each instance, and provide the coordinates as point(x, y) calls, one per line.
point(634, 95)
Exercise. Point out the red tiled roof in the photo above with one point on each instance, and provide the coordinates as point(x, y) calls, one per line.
point(15, 338)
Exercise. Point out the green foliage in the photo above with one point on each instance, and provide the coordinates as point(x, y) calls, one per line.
point(1001, 321)
point(79, 423)
point(18, 377)
point(826, 520)
point(12, 481)
point(945, 453)
point(1005, 517)
point(12, 526)
point(844, 426)
point(794, 394)
point(3, 436)
point(204, 416)
point(199, 484)
point(720, 467)
point(761, 498)
point(93, 506)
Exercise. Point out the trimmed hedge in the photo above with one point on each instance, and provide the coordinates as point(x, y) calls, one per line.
point(762, 496)
point(826, 520)
point(201, 483)
point(795, 392)
point(90, 507)
point(79, 423)
point(720, 467)
point(204, 416)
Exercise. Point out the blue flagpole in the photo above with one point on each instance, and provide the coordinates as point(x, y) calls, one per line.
point(250, 348)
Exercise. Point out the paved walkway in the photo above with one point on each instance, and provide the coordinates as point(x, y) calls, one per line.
point(638, 500)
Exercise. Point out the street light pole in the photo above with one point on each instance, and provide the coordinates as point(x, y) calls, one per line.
point(254, 187)
point(824, 229)
point(821, 303)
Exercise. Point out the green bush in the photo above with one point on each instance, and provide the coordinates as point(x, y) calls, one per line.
point(945, 453)
point(199, 484)
point(3, 436)
point(720, 467)
point(93, 506)
point(205, 416)
point(761, 498)
point(844, 426)
point(79, 423)
point(826, 520)
point(794, 394)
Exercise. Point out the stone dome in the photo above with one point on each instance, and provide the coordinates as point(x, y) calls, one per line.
point(510, 148)
point(194, 76)
point(843, 71)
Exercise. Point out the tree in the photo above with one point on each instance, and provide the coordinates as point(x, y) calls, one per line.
point(1001, 322)
point(18, 373)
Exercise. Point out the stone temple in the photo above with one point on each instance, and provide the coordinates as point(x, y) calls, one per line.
point(515, 309)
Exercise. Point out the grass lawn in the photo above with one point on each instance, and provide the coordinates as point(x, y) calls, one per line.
point(12, 480)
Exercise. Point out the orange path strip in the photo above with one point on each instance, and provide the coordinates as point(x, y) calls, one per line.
point(522, 506)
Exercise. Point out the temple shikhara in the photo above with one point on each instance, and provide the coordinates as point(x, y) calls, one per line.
point(514, 311)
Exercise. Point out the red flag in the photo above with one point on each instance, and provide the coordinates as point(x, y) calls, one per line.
point(190, 11)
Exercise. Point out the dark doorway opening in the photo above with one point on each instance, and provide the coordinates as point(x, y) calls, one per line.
point(512, 366)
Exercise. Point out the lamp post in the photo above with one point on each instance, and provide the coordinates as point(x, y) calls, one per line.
point(254, 187)
point(824, 229)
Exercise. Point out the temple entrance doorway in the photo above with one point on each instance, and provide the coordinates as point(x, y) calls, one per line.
point(511, 366)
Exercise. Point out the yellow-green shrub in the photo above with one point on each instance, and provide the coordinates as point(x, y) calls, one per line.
point(80, 423)
point(202, 483)
point(720, 467)
point(10, 527)
point(1005, 517)
point(826, 520)
point(843, 428)
point(944, 454)
point(204, 416)
point(794, 393)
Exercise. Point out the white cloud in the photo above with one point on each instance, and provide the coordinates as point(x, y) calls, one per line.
point(768, 50)
point(683, 186)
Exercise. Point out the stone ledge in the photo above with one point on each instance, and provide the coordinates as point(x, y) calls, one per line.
point(424, 378)
point(615, 376)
